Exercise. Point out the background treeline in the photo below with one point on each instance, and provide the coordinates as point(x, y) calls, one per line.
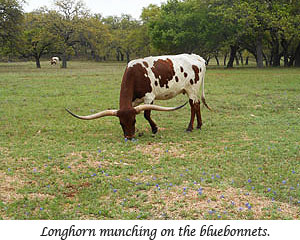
point(228, 31)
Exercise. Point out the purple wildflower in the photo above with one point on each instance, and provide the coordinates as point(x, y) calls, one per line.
point(249, 180)
point(269, 189)
point(284, 182)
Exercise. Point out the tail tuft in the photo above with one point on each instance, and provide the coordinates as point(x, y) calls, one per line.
point(205, 104)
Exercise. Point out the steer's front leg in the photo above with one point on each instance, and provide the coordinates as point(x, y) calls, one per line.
point(147, 114)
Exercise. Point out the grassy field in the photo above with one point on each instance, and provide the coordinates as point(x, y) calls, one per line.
point(243, 164)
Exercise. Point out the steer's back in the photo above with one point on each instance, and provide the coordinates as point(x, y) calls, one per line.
point(168, 76)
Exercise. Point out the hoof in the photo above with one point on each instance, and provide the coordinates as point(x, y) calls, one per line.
point(189, 130)
point(199, 127)
point(141, 134)
point(154, 130)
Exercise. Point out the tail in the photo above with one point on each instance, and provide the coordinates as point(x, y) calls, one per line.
point(203, 95)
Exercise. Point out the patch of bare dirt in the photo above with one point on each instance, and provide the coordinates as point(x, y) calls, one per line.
point(156, 150)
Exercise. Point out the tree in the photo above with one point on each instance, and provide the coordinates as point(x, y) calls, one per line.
point(36, 39)
point(67, 24)
point(95, 37)
point(11, 17)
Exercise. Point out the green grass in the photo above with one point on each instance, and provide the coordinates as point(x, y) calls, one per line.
point(53, 166)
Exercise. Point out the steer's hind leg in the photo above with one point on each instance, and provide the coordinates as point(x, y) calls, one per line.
point(193, 113)
point(147, 114)
point(198, 114)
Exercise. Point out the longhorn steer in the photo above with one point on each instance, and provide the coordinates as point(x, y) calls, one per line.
point(54, 60)
point(157, 78)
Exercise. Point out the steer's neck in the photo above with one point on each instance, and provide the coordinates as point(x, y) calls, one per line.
point(126, 92)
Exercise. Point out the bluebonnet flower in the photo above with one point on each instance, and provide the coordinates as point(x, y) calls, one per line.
point(69, 166)
point(292, 188)
point(269, 189)
point(284, 182)
point(232, 203)
point(126, 139)
point(41, 208)
point(218, 176)
point(222, 196)
point(249, 180)
point(156, 185)
point(293, 172)
point(141, 171)
point(9, 169)
point(99, 212)
point(252, 188)
point(115, 190)
point(298, 202)
point(99, 151)
point(211, 212)
point(167, 150)
point(240, 209)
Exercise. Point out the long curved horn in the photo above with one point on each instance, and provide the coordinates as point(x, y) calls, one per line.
point(96, 115)
point(156, 107)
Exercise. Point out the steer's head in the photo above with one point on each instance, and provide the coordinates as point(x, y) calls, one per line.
point(127, 121)
point(126, 116)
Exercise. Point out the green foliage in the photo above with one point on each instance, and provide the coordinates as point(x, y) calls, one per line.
point(11, 17)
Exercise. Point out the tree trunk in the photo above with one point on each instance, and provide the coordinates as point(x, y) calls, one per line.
point(233, 49)
point(259, 51)
point(225, 57)
point(247, 60)
point(237, 62)
point(297, 56)
point(285, 46)
point(127, 56)
point(217, 60)
point(241, 57)
point(37, 62)
point(275, 55)
point(64, 61)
